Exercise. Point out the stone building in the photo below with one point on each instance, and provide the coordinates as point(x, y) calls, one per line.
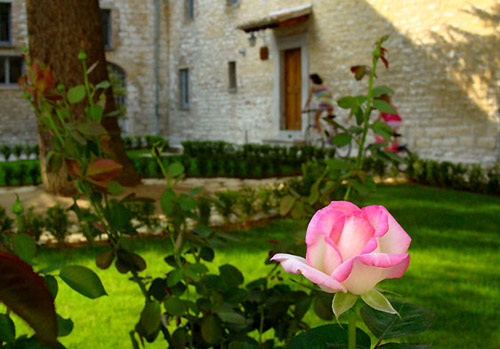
point(191, 72)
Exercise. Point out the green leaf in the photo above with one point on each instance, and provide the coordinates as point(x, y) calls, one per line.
point(342, 139)
point(195, 191)
point(114, 188)
point(7, 329)
point(174, 277)
point(377, 301)
point(231, 275)
point(175, 306)
point(65, 326)
point(103, 84)
point(76, 94)
point(355, 129)
point(328, 336)
point(82, 280)
point(52, 284)
point(323, 306)
point(412, 319)
point(286, 204)
point(404, 346)
point(179, 340)
point(105, 258)
point(94, 112)
point(176, 169)
point(25, 293)
point(384, 107)
point(91, 129)
point(186, 203)
point(361, 188)
point(232, 317)
point(381, 90)
point(349, 102)
point(381, 128)
point(337, 164)
point(211, 330)
point(24, 246)
point(313, 197)
point(151, 317)
point(298, 210)
point(167, 201)
point(342, 302)
point(158, 289)
point(54, 161)
point(207, 254)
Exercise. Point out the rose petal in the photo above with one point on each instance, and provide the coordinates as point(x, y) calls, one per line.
point(378, 217)
point(355, 235)
point(332, 257)
point(298, 265)
point(360, 274)
point(325, 222)
point(395, 240)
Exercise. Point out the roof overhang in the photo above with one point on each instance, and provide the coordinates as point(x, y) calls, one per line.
point(278, 19)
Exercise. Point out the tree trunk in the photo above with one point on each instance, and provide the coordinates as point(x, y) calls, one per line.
point(57, 30)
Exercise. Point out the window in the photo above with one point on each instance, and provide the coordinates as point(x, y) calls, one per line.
point(190, 9)
point(11, 69)
point(106, 27)
point(184, 88)
point(232, 2)
point(233, 82)
point(5, 25)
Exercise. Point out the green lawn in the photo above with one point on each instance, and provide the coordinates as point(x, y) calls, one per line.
point(454, 270)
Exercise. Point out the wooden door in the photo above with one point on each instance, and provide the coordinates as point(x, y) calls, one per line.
point(292, 89)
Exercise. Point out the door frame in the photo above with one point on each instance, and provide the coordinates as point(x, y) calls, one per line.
point(281, 44)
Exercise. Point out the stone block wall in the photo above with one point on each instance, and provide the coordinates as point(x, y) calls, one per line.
point(444, 68)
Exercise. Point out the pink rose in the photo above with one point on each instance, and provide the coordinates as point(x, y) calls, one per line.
point(351, 249)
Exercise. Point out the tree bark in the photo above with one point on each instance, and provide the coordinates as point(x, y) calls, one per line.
point(57, 30)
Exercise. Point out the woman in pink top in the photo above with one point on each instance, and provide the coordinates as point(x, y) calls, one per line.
point(393, 120)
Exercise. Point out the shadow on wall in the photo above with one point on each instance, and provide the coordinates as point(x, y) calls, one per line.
point(446, 86)
point(474, 60)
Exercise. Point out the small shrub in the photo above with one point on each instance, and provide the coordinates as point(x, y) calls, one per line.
point(144, 212)
point(493, 185)
point(477, 179)
point(27, 151)
point(127, 143)
point(57, 223)
point(5, 221)
point(8, 174)
point(34, 223)
point(35, 149)
point(138, 142)
point(22, 173)
point(18, 150)
point(204, 207)
point(34, 173)
point(6, 151)
point(227, 205)
point(246, 203)
point(266, 199)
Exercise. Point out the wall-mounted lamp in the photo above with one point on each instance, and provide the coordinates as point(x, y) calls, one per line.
point(252, 39)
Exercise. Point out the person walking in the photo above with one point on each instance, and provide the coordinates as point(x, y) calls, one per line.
point(324, 98)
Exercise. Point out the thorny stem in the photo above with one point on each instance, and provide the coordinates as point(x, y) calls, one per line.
point(366, 124)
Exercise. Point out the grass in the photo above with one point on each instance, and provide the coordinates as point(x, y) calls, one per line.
point(454, 270)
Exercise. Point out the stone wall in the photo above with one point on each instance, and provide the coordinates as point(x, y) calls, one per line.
point(132, 49)
point(17, 122)
point(444, 68)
